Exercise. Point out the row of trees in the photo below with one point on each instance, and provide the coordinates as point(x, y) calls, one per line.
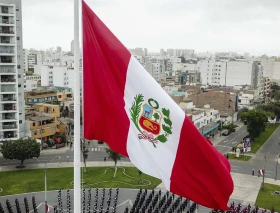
point(23, 149)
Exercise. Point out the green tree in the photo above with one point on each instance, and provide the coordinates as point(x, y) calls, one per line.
point(115, 157)
point(274, 88)
point(273, 108)
point(20, 149)
point(256, 119)
point(84, 151)
point(156, 116)
point(277, 96)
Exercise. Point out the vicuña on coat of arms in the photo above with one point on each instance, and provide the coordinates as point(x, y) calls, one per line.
point(153, 124)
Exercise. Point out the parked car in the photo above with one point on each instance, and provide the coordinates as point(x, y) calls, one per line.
point(100, 142)
point(226, 132)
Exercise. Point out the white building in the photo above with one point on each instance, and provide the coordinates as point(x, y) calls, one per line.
point(231, 73)
point(268, 66)
point(31, 82)
point(59, 76)
point(245, 100)
point(12, 122)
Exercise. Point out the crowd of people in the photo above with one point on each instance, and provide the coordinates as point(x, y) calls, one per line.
point(238, 208)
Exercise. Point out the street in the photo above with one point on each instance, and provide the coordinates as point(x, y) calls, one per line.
point(272, 149)
point(97, 153)
point(231, 140)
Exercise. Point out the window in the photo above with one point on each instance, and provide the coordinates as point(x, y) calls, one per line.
point(18, 66)
point(34, 132)
point(34, 124)
point(17, 9)
point(42, 131)
point(20, 121)
point(53, 128)
point(18, 38)
point(59, 96)
point(19, 85)
point(19, 76)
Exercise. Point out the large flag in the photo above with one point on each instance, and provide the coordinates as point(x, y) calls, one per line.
point(125, 107)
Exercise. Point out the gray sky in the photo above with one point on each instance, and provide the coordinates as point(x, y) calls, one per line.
point(204, 25)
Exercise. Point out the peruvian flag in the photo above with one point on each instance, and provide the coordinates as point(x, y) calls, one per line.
point(48, 208)
point(125, 107)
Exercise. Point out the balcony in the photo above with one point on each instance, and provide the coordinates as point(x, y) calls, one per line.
point(9, 107)
point(8, 135)
point(7, 60)
point(6, 51)
point(6, 21)
point(8, 99)
point(6, 41)
point(8, 80)
point(8, 88)
point(7, 32)
point(9, 116)
point(6, 10)
point(7, 69)
point(11, 125)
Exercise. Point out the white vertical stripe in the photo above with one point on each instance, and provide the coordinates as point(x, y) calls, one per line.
point(159, 161)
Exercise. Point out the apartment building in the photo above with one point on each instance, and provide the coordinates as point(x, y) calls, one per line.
point(12, 122)
point(40, 96)
point(188, 77)
point(43, 121)
point(225, 102)
point(59, 76)
point(31, 82)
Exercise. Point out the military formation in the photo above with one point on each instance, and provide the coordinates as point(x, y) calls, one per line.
point(238, 208)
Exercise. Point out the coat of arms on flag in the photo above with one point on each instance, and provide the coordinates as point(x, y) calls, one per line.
point(150, 117)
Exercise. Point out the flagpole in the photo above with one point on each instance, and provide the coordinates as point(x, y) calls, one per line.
point(77, 150)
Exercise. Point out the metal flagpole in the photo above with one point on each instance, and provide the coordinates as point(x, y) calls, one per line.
point(77, 150)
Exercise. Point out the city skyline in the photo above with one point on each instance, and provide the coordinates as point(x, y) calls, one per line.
point(212, 26)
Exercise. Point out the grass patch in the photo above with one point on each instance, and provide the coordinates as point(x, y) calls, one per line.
point(24, 181)
point(261, 139)
point(266, 199)
point(241, 157)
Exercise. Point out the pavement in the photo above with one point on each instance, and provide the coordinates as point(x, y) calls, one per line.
point(246, 187)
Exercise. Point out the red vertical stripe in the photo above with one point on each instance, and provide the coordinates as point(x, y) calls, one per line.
point(200, 172)
point(105, 63)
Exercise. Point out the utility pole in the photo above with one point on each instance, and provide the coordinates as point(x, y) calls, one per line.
point(264, 172)
point(41, 136)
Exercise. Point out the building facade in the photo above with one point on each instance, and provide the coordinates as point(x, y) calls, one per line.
point(12, 122)
point(59, 76)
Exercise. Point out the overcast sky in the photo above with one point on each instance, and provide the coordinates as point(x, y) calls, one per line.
point(203, 25)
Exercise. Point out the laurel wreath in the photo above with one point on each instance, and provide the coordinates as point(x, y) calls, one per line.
point(135, 111)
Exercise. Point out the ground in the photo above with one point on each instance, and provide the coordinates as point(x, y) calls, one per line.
point(266, 198)
point(24, 181)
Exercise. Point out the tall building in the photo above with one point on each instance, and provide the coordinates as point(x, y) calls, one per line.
point(12, 118)
point(72, 46)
